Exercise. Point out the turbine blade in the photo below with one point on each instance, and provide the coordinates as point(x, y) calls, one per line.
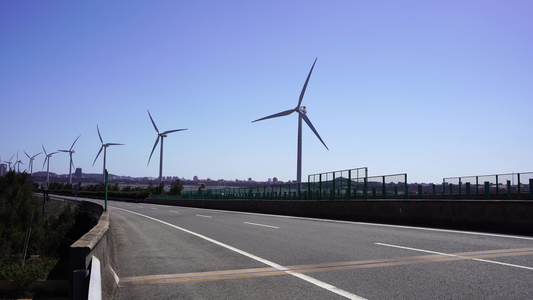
point(153, 123)
point(112, 144)
point(98, 154)
point(63, 150)
point(27, 155)
point(155, 145)
point(305, 84)
point(44, 163)
point(53, 153)
point(36, 155)
point(75, 142)
point(306, 119)
point(175, 130)
point(281, 114)
point(45, 151)
point(99, 135)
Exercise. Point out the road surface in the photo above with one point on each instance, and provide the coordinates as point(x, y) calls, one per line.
point(166, 252)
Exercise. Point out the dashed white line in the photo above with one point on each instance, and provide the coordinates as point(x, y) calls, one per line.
point(173, 211)
point(269, 226)
point(154, 208)
point(204, 216)
point(454, 255)
point(309, 279)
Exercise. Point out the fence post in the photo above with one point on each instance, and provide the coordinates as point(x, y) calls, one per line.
point(419, 191)
point(497, 186)
point(374, 193)
point(395, 192)
point(384, 189)
point(508, 189)
point(434, 192)
point(518, 183)
point(349, 184)
point(451, 191)
point(487, 190)
point(365, 188)
point(530, 189)
point(468, 191)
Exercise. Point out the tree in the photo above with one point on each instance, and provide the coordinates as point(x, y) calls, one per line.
point(176, 187)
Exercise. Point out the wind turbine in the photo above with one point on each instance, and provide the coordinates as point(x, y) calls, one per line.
point(32, 158)
point(161, 135)
point(17, 163)
point(301, 110)
point(47, 162)
point(70, 151)
point(9, 162)
point(104, 146)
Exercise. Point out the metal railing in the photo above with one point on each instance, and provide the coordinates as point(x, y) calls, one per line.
point(498, 184)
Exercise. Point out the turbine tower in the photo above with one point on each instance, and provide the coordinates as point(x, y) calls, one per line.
point(302, 111)
point(104, 146)
point(47, 162)
point(32, 158)
point(161, 135)
point(70, 151)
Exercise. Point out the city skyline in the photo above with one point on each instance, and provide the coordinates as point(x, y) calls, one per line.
point(434, 90)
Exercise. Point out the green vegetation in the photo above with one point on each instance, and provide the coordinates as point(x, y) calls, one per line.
point(49, 238)
point(115, 192)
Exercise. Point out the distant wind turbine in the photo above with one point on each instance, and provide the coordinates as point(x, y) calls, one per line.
point(104, 146)
point(17, 163)
point(9, 162)
point(301, 110)
point(70, 151)
point(47, 162)
point(32, 158)
point(161, 135)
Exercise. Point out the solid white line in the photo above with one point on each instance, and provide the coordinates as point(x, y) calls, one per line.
point(261, 225)
point(453, 255)
point(203, 216)
point(309, 279)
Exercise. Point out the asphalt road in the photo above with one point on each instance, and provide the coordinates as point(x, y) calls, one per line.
point(166, 252)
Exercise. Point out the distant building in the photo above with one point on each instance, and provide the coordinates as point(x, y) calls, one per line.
point(3, 169)
point(77, 174)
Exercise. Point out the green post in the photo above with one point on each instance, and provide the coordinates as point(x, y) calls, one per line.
point(384, 190)
point(373, 193)
point(365, 188)
point(468, 191)
point(530, 188)
point(451, 191)
point(395, 192)
point(518, 183)
point(508, 189)
point(434, 192)
point(106, 184)
point(497, 185)
point(419, 191)
point(349, 184)
point(487, 190)
point(333, 188)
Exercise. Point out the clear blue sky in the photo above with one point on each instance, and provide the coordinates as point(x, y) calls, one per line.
point(429, 88)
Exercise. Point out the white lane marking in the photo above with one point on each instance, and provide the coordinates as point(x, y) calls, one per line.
point(373, 224)
point(454, 255)
point(173, 211)
point(269, 226)
point(154, 208)
point(309, 279)
point(204, 216)
point(140, 206)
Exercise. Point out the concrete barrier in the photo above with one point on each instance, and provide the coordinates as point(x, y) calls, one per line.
point(98, 242)
point(509, 216)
